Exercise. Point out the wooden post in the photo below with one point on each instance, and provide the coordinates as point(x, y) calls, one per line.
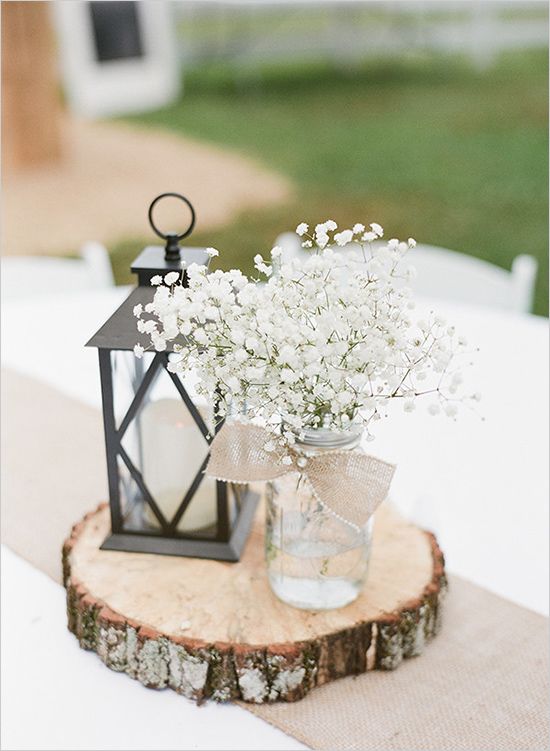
point(31, 100)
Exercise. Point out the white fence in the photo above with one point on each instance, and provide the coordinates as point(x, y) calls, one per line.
point(247, 33)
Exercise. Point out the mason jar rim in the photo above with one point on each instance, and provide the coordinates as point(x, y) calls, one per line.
point(324, 438)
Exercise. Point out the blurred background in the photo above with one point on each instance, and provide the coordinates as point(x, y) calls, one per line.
point(427, 117)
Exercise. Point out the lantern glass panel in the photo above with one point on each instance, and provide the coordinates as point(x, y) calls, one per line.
point(174, 453)
point(125, 383)
point(167, 447)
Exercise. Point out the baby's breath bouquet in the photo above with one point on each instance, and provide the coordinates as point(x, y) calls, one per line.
point(328, 340)
point(306, 358)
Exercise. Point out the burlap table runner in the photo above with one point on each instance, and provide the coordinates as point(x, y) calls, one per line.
point(481, 684)
point(53, 468)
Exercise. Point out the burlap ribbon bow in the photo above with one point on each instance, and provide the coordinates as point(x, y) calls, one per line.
point(349, 483)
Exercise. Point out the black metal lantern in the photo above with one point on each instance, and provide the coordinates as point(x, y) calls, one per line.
point(157, 434)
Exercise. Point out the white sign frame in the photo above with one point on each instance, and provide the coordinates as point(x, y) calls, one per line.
point(115, 87)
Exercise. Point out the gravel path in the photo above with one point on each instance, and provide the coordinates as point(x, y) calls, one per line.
point(109, 175)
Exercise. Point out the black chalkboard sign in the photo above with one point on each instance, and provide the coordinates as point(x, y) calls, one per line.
point(116, 30)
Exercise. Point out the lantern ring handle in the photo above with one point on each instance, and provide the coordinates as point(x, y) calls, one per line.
point(156, 229)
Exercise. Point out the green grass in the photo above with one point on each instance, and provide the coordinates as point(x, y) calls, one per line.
point(427, 146)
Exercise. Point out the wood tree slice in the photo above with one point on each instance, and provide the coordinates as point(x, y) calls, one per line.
point(210, 629)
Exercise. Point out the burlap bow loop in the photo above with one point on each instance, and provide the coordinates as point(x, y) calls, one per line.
point(351, 484)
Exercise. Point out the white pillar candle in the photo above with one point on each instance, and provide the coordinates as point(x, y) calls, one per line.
point(173, 451)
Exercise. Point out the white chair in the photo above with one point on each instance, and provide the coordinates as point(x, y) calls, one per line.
point(448, 275)
point(39, 276)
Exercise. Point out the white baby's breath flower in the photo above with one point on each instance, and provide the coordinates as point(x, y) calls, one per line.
point(201, 336)
point(138, 351)
point(343, 238)
point(159, 342)
point(411, 242)
point(276, 252)
point(301, 229)
point(321, 236)
point(156, 280)
point(322, 240)
point(358, 228)
point(137, 310)
point(451, 410)
point(172, 277)
point(212, 252)
point(369, 237)
point(147, 327)
point(331, 225)
point(377, 229)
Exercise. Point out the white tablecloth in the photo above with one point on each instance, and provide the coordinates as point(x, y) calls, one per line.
point(482, 485)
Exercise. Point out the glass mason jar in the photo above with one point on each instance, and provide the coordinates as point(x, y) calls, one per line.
point(315, 560)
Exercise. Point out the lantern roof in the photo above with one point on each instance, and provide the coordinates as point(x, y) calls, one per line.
point(152, 261)
point(120, 332)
